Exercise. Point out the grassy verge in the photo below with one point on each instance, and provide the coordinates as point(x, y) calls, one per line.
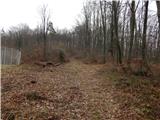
point(7, 66)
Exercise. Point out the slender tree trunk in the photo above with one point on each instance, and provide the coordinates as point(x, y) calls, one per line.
point(145, 67)
point(103, 15)
point(45, 46)
point(132, 29)
point(119, 53)
point(111, 36)
point(122, 39)
point(136, 45)
point(144, 32)
point(158, 43)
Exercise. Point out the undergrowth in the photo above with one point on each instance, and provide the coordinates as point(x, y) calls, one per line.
point(138, 93)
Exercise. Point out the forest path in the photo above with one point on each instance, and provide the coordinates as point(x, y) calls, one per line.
point(98, 90)
point(71, 91)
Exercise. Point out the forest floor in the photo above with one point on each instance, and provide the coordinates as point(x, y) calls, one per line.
point(77, 91)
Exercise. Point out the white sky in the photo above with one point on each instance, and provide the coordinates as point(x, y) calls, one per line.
point(63, 12)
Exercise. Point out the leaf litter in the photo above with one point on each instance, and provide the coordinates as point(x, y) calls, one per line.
point(71, 91)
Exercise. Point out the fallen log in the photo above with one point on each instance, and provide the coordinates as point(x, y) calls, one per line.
point(50, 63)
point(57, 64)
point(44, 64)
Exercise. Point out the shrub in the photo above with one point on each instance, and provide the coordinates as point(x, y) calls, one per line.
point(62, 55)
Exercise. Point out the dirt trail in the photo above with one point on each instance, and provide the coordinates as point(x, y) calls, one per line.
point(98, 91)
point(71, 91)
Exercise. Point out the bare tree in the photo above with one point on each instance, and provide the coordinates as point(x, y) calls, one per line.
point(145, 67)
point(103, 15)
point(132, 29)
point(87, 16)
point(112, 33)
point(158, 14)
point(45, 17)
point(116, 6)
point(123, 29)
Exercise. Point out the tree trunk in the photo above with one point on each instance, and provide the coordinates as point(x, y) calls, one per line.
point(132, 29)
point(144, 32)
point(145, 67)
point(119, 53)
point(103, 15)
point(158, 43)
point(45, 46)
point(111, 36)
point(122, 39)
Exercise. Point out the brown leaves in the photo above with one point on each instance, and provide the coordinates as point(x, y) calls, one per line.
point(72, 91)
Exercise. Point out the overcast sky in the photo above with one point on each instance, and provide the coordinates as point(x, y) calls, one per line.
point(63, 12)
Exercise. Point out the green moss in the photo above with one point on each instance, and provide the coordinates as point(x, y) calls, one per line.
point(96, 115)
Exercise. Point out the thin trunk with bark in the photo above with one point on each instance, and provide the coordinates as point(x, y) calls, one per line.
point(115, 9)
point(103, 15)
point(158, 43)
point(132, 29)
